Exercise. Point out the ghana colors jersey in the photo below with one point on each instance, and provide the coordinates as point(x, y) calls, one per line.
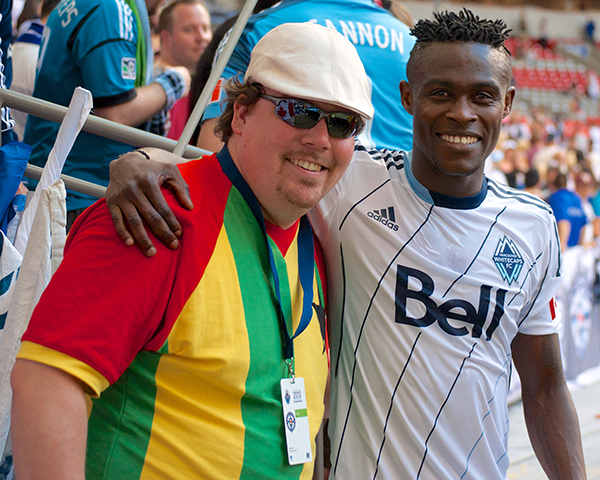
point(189, 341)
point(426, 293)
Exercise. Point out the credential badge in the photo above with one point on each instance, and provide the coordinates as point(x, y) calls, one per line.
point(508, 260)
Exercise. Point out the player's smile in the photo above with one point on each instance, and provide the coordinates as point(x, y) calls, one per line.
point(458, 139)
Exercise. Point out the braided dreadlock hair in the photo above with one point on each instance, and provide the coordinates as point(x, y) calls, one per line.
point(462, 27)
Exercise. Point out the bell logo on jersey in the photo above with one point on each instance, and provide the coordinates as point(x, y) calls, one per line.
point(386, 216)
point(454, 309)
point(508, 260)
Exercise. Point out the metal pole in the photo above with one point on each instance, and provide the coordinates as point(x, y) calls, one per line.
point(96, 125)
point(71, 183)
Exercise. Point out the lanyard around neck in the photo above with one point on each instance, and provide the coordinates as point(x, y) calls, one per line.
point(306, 252)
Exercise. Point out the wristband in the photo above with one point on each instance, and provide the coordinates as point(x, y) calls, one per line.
point(173, 84)
point(143, 153)
point(136, 151)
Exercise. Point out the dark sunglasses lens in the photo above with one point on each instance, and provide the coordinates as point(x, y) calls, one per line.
point(342, 125)
point(305, 115)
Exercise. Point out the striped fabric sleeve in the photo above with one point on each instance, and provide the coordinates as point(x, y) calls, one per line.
point(539, 316)
point(116, 298)
point(120, 302)
point(94, 382)
point(105, 41)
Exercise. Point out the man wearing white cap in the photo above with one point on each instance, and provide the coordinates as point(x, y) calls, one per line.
point(207, 361)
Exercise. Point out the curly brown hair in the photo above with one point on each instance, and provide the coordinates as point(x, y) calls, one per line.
point(245, 93)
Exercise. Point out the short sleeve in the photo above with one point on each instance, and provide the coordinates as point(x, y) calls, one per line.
point(558, 206)
point(539, 316)
point(106, 302)
point(94, 383)
point(105, 50)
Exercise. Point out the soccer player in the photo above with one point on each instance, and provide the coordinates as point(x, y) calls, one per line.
point(103, 46)
point(438, 279)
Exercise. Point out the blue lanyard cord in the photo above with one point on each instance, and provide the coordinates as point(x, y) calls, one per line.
point(306, 252)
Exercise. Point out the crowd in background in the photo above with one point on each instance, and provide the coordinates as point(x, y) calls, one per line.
point(539, 151)
point(181, 31)
point(557, 158)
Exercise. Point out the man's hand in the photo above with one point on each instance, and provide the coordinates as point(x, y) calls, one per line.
point(134, 190)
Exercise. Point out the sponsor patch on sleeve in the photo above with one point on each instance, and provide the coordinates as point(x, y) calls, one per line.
point(128, 68)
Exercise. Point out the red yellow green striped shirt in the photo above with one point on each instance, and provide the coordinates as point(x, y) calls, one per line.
point(185, 347)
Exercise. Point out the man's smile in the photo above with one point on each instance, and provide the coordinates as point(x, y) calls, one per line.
point(459, 139)
point(306, 165)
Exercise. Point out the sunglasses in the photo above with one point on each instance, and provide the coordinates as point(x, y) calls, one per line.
point(301, 114)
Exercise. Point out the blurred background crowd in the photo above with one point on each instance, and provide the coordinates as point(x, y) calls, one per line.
point(550, 145)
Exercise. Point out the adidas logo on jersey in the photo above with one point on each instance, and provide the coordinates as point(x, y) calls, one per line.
point(385, 216)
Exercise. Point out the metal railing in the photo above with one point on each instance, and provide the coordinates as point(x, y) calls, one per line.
point(123, 133)
point(95, 125)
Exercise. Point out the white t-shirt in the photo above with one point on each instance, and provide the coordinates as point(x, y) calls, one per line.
point(426, 293)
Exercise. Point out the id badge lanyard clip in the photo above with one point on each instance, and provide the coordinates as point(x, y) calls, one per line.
point(305, 259)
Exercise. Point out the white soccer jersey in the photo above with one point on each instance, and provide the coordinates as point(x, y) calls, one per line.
point(426, 295)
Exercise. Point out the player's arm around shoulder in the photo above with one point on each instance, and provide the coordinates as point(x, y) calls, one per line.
point(134, 192)
point(49, 423)
point(550, 414)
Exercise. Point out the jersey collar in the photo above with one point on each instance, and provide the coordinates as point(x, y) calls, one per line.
point(439, 199)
